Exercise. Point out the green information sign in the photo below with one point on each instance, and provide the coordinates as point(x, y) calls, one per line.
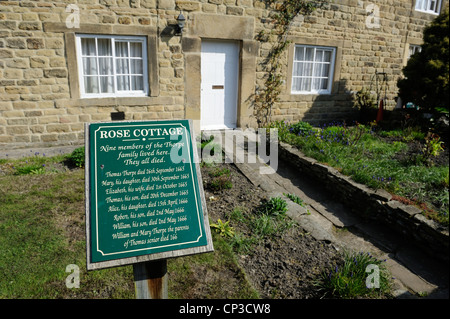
point(145, 198)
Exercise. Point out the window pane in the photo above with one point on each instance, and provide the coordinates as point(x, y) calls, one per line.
point(316, 85)
point(88, 46)
point(309, 54)
point(123, 83)
point(319, 55)
point(122, 66)
point(112, 64)
point(307, 70)
point(90, 66)
point(136, 66)
point(104, 47)
point(105, 66)
point(327, 56)
point(324, 84)
point(298, 67)
point(136, 49)
point(306, 84)
point(137, 83)
point(121, 49)
point(325, 70)
point(318, 69)
point(296, 84)
point(91, 84)
point(107, 84)
point(299, 52)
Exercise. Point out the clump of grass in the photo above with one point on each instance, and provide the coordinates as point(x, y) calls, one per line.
point(271, 218)
point(35, 164)
point(361, 275)
point(219, 172)
point(295, 199)
point(211, 152)
point(221, 182)
point(30, 169)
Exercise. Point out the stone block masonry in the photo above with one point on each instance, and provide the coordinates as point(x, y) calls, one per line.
point(40, 100)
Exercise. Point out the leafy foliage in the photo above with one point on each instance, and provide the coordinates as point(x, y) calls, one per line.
point(223, 228)
point(426, 81)
point(77, 157)
point(360, 152)
point(274, 206)
point(351, 280)
point(285, 12)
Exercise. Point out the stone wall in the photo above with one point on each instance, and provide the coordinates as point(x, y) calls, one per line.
point(40, 102)
point(371, 204)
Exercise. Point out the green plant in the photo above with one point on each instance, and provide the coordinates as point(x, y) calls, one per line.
point(77, 157)
point(30, 169)
point(426, 75)
point(295, 199)
point(371, 160)
point(223, 228)
point(211, 152)
point(364, 99)
point(361, 275)
point(274, 206)
point(219, 172)
point(285, 12)
point(242, 244)
point(301, 128)
point(433, 147)
point(221, 182)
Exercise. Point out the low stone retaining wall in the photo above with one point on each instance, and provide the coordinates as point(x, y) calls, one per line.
point(374, 204)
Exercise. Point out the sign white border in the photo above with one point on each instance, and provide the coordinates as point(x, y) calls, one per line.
point(148, 257)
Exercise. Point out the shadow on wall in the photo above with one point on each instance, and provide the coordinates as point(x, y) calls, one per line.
point(338, 106)
point(315, 109)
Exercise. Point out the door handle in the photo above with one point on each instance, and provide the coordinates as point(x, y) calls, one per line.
point(217, 87)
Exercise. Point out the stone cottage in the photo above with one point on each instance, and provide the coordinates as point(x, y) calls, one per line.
point(67, 62)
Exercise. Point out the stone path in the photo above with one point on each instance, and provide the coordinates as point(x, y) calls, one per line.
point(416, 274)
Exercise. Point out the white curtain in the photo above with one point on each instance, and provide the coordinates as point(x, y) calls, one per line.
point(311, 69)
point(98, 67)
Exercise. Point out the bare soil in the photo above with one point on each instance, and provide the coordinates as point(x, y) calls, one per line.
point(281, 266)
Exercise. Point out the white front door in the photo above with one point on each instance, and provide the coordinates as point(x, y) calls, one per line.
point(219, 84)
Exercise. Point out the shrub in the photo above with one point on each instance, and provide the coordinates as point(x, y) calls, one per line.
point(300, 128)
point(433, 147)
point(426, 81)
point(76, 158)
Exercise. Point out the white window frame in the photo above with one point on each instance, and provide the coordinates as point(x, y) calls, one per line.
point(429, 6)
point(116, 93)
point(330, 73)
point(413, 48)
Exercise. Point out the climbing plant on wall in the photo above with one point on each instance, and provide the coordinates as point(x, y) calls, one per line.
point(284, 12)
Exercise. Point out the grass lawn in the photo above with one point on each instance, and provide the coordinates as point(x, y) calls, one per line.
point(370, 158)
point(42, 231)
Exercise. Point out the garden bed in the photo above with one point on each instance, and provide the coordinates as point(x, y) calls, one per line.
point(42, 231)
point(377, 175)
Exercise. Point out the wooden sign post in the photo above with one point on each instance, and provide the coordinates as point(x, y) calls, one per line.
point(144, 199)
